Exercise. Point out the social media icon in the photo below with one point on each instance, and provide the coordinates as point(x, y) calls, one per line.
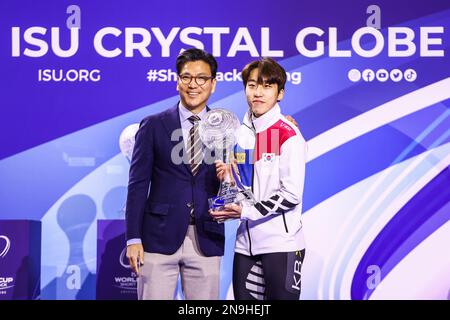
point(382, 75)
point(410, 75)
point(396, 75)
point(368, 75)
point(354, 75)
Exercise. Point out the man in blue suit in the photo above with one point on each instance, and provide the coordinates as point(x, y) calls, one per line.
point(169, 230)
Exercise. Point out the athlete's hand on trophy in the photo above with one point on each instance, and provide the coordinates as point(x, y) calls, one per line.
point(230, 211)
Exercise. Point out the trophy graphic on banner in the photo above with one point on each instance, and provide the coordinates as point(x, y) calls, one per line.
point(126, 144)
point(218, 132)
point(127, 140)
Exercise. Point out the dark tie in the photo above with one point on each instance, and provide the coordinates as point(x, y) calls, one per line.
point(194, 148)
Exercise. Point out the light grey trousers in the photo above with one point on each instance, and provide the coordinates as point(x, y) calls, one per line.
point(200, 275)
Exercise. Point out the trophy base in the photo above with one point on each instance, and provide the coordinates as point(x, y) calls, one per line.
point(218, 203)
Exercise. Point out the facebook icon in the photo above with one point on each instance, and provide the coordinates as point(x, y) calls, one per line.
point(368, 75)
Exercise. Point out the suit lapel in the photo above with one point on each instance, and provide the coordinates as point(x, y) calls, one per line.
point(171, 122)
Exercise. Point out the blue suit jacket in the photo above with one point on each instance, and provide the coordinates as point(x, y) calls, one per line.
point(161, 218)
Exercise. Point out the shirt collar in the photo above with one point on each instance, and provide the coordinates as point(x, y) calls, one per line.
point(266, 120)
point(185, 113)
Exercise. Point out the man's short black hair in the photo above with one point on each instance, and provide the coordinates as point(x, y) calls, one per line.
point(195, 54)
point(268, 69)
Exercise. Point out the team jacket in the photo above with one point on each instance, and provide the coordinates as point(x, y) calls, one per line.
point(271, 154)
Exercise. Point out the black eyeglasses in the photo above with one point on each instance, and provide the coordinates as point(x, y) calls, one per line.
point(200, 80)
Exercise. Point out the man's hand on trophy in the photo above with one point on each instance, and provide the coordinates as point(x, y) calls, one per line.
point(221, 169)
point(230, 211)
point(292, 120)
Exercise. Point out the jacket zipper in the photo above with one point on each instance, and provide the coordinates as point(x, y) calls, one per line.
point(253, 176)
point(248, 229)
point(249, 239)
point(285, 224)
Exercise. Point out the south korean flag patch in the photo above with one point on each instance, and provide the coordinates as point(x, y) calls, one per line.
point(268, 157)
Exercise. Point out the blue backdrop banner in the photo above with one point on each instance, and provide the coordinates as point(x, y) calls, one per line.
point(368, 84)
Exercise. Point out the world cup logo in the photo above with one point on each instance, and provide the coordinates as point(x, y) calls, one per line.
point(123, 259)
point(215, 119)
point(5, 250)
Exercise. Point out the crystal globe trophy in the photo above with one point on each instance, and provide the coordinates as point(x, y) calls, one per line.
point(218, 132)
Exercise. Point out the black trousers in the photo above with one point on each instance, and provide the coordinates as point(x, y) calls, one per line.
point(270, 276)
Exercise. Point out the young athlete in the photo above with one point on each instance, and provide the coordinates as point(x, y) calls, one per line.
point(270, 154)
